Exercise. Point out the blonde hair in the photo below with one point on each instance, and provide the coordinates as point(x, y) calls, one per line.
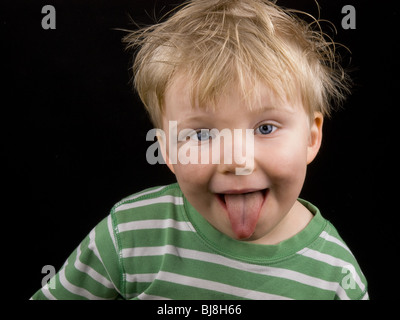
point(218, 44)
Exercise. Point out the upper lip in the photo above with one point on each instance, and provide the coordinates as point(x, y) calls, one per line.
point(240, 191)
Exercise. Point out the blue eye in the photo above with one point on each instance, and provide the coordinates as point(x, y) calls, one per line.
point(265, 129)
point(203, 135)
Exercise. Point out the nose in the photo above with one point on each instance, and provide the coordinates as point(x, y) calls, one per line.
point(237, 152)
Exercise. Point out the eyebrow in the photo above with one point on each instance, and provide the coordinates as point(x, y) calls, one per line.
point(192, 119)
point(257, 111)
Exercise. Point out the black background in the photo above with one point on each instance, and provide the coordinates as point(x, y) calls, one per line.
point(74, 132)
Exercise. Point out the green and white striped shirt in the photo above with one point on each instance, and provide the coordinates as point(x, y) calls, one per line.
point(155, 245)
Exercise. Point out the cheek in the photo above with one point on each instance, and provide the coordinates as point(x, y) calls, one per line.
point(191, 170)
point(194, 182)
point(285, 165)
point(192, 177)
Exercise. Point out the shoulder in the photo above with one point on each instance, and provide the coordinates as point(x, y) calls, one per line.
point(337, 263)
point(160, 195)
point(161, 204)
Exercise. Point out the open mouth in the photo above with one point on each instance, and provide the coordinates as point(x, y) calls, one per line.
point(243, 208)
point(222, 200)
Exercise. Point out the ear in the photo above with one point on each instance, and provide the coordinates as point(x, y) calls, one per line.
point(162, 141)
point(315, 137)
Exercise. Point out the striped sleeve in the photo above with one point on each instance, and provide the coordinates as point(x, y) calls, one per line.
point(335, 257)
point(91, 272)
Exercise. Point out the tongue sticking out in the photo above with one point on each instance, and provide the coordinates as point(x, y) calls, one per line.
point(244, 211)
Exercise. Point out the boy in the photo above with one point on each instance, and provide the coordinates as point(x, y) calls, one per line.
point(239, 90)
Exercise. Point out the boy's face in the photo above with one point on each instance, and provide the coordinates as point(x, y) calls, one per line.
point(248, 206)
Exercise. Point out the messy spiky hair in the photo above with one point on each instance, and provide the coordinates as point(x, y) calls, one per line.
point(218, 44)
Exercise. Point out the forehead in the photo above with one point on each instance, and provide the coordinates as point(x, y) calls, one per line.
point(181, 99)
